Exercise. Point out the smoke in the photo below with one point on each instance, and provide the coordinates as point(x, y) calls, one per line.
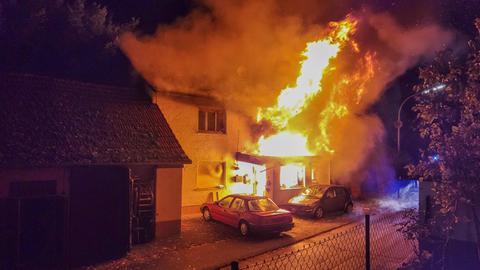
point(245, 52)
point(242, 52)
point(402, 198)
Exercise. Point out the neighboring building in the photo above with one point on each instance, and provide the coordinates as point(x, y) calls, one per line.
point(461, 250)
point(85, 169)
point(218, 141)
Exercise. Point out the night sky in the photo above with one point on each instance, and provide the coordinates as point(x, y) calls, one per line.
point(456, 15)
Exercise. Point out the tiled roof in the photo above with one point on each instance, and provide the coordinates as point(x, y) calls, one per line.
point(53, 122)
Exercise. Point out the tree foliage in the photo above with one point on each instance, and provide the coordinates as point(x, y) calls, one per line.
point(450, 122)
point(67, 38)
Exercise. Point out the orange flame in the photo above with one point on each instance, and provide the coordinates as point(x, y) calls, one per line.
point(295, 99)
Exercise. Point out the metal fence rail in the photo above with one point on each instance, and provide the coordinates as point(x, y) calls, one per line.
point(375, 244)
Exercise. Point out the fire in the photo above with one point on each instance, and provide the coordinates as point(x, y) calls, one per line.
point(292, 143)
point(295, 99)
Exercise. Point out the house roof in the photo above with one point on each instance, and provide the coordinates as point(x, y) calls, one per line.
point(190, 98)
point(54, 122)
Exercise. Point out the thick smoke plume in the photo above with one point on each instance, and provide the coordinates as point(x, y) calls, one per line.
point(245, 52)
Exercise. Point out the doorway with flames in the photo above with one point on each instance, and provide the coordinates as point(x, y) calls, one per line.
point(277, 178)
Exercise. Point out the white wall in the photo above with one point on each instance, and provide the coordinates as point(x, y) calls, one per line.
point(183, 119)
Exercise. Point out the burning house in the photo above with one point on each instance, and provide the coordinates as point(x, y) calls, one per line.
point(85, 170)
point(219, 143)
point(270, 106)
point(276, 155)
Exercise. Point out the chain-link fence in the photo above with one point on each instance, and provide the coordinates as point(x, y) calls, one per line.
point(375, 244)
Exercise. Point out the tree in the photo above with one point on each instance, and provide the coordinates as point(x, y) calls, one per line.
point(61, 38)
point(450, 123)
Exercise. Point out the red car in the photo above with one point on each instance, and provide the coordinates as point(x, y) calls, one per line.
point(250, 214)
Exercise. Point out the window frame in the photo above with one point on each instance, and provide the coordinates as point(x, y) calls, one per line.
point(331, 190)
point(340, 192)
point(298, 187)
point(223, 199)
point(244, 207)
point(217, 122)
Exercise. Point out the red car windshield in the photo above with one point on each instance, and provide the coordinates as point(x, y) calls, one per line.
point(262, 205)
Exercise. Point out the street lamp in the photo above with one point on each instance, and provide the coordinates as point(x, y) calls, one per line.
point(398, 123)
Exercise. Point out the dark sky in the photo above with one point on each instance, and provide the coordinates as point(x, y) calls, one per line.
point(458, 14)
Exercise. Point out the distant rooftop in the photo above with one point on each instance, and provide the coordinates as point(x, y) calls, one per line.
point(48, 122)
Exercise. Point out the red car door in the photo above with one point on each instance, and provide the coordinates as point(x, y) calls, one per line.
point(233, 213)
point(219, 212)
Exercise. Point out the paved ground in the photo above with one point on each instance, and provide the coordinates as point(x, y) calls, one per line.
point(209, 245)
point(342, 248)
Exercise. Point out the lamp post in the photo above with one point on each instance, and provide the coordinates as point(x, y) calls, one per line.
point(398, 123)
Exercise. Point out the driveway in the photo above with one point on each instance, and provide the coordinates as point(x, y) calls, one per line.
point(209, 245)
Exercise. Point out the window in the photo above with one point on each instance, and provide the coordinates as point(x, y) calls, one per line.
point(340, 192)
point(315, 191)
point(210, 174)
point(212, 121)
point(292, 176)
point(238, 205)
point(262, 205)
point(331, 193)
point(225, 202)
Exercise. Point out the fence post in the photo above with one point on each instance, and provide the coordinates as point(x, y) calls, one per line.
point(367, 242)
point(234, 265)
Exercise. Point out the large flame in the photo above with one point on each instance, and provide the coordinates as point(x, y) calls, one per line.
point(294, 99)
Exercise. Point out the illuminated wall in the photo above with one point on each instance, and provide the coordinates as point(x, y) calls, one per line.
point(206, 150)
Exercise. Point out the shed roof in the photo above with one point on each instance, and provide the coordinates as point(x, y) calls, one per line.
point(48, 122)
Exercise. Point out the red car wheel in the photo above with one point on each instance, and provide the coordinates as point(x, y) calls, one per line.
point(206, 214)
point(244, 228)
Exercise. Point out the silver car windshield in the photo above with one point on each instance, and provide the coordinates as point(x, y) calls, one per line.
point(261, 205)
point(315, 191)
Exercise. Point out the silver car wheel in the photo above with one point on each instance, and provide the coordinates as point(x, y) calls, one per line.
point(319, 213)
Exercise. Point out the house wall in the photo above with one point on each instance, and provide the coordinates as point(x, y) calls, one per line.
point(462, 231)
point(168, 201)
point(461, 250)
point(203, 147)
point(60, 175)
